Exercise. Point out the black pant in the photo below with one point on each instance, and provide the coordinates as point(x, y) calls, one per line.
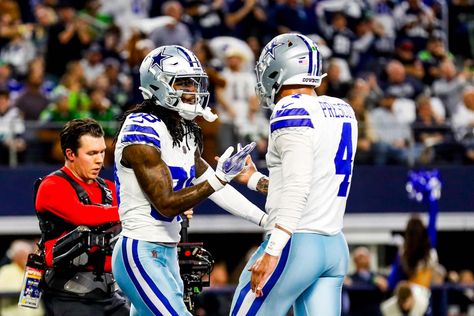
point(57, 305)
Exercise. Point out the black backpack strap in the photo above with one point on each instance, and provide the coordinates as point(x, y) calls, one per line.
point(81, 193)
point(106, 192)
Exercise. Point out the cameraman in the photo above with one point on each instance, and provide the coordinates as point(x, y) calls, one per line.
point(75, 196)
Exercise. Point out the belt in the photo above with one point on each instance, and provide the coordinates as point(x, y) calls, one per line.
point(81, 283)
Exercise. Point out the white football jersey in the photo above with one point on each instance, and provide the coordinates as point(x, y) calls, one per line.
point(140, 220)
point(330, 128)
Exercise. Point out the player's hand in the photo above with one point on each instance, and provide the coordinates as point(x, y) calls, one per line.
point(189, 213)
point(249, 169)
point(229, 166)
point(261, 271)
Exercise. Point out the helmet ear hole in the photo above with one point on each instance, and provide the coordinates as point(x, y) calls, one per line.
point(273, 75)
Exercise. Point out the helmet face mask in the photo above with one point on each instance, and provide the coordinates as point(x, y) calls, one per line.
point(173, 78)
point(289, 59)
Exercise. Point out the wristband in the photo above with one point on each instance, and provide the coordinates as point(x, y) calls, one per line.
point(215, 183)
point(263, 220)
point(277, 242)
point(253, 180)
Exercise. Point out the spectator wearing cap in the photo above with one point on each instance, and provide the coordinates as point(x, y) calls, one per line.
point(92, 63)
point(405, 53)
point(52, 118)
point(432, 57)
point(235, 99)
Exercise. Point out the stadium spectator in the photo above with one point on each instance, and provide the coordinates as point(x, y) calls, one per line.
point(416, 260)
point(11, 279)
point(32, 99)
point(406, 301)
point(357, 99)
point(247, 18)
point(405, 53)
point(175, 32)
point(92, 63)
point(463, 122)
point(391, 136)
point(67, 39)
point(369, 287)
point(208, 18)
point(235, 100)
point(76, 196)
point(449, 87)
point(434, 139)
point(106, 114)
point(334, 85)
point(431, 57)
point(12, 129)
point(399, 84)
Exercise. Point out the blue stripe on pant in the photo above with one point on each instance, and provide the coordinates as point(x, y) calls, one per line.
point(148, 274)
point(309, 275)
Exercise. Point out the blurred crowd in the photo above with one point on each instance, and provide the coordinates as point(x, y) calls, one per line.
point(413, 93)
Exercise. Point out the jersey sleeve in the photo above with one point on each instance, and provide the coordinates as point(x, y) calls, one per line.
point(297, 164)
point(139, 128)
point(290, 113)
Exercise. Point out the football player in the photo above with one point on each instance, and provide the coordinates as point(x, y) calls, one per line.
point(311, 149)
point(157, 158)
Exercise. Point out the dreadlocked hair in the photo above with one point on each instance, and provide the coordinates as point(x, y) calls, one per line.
point(177, 126)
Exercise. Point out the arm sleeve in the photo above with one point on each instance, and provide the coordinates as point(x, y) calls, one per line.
point(296, 152)
point(57, 196)
point(233, 201)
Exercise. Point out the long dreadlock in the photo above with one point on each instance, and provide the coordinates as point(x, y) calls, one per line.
point(177, 126)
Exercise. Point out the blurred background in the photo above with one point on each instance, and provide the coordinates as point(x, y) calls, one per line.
point(405, 66)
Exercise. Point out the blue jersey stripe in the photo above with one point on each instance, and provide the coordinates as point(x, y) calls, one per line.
point(291, 123)
point(290, 112)
point(117, 184)
point(149, 281)
point(257, 303)
point(142, 129)
point(141, 139)
point(310, 55)
point(135, 281)
point(241, 298)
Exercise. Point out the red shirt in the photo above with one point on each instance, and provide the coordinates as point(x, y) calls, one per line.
point(56, 195)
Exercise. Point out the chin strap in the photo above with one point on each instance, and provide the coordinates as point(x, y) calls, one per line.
point(208, 115)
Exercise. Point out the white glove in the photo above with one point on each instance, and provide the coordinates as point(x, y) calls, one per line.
point(229, 166)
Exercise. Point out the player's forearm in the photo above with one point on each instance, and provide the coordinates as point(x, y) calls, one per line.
point(177, 202)
point(235, 203)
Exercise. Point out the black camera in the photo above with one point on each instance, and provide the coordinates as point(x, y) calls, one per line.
point(195, 264)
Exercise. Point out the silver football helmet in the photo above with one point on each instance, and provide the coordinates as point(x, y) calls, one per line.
point(288, 59)
point(173, 77)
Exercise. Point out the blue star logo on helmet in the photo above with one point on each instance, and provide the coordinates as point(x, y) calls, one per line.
point(159, 58)
point(271, 50)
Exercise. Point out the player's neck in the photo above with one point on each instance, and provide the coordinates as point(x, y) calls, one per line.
point(290, 90)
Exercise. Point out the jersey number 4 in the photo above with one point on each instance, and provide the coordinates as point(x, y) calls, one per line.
point(343, 159)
